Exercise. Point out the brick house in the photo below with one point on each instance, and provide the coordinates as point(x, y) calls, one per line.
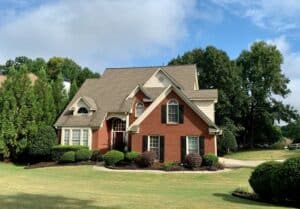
point(144, 108)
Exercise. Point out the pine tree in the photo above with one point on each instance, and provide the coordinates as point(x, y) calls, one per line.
point(73, 89)
point(59, 94)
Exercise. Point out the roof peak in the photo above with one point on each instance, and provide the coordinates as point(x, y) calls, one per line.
point(138, 67)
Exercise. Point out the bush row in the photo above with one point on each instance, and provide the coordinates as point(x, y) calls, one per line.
point(80, 155)
point(277, 181)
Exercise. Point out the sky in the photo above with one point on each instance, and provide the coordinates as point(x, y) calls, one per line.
point(117, 33)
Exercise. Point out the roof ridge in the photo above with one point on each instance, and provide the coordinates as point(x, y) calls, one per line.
point(154, 66)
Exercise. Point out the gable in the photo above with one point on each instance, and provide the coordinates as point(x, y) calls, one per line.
point(158, 79)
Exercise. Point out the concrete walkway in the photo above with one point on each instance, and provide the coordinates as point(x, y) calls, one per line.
point(102, 168)
point(232, 163)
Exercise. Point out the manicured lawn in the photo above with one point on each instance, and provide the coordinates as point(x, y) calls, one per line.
point(264, 154)
point(82, 187)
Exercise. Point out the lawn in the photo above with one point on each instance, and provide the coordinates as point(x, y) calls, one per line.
point(264, 154)
point(82, 187)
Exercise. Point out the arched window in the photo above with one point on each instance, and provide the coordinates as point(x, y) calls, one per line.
point(172, 111)
point(139, 109)
point(82, 110)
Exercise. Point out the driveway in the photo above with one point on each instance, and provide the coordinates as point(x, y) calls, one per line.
point(231, 163)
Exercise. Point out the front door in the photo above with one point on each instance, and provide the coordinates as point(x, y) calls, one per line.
point(118, 141)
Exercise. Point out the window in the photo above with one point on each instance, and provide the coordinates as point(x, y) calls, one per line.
point(154, 145)
point(192, 144)
point(82, 110)
point(139, 109)
point(76, 137)
point(67, 137)
point(118, 125)
point(85, 137)
point(173, 111)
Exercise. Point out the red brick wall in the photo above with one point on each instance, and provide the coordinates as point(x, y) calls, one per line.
point(101, 138)
point(192, 125)
point(138, 98)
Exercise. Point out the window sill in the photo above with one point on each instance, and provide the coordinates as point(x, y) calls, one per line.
point(172, 124)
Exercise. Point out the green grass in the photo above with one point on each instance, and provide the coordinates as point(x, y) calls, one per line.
point(263, 154)
point(82, 187)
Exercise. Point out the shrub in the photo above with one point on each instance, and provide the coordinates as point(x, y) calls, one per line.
point(96, 156)
point(83, 155)
point(210, 160)
point(112, 157)
point(146, 159)
point(193, 160)
point(131, 156)
point(58, 150)
point(226, 142)
point(278, 145)
point(40, 146)
point(171, 166)
point(260, 179)
point(68, 157)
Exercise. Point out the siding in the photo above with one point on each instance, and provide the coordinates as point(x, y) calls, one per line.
point(208, 107)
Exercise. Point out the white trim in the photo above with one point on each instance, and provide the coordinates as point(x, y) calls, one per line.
point(135, 112)
point(216, 149)
point(167, 111)
point(187, 144)
point(196, 77)
point(90, 135)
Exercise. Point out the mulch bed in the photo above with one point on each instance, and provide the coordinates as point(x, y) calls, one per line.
point(255, 197)
point(54, 164)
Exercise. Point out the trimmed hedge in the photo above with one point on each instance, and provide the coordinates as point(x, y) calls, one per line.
point(96, 156)
point(193, 160)
point(210, 160)
point(131, 156)
point(58, 151)
point(146, 159)
point(260, 179)
point(112, 157)
point(83, 155)
point(68, 157)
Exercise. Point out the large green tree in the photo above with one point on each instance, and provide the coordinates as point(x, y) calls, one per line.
point(18, 112)
point(59, 94)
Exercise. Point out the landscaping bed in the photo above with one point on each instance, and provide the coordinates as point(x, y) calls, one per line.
point(53, 164)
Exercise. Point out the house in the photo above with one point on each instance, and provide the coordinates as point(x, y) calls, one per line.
point(143, 108)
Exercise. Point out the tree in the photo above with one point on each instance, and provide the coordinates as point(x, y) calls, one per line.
point(73, 89)
point(18, 112)
point(59, 94)
point(46, 113)
point(262, 80)
point(292, 130)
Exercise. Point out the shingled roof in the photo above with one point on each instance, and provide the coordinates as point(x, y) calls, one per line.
point(111, 90)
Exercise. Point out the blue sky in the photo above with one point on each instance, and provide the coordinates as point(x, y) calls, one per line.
point(105, 33)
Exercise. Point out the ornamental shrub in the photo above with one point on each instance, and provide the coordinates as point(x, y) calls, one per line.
point(226, 142)
point(193, 160)
point(112, 157)
point(39, 148)
point(96, 156)
point(261, 179)
point(146, 159)
point(68, 157)
point(58, 150)
point(83, 155)
point(131, 156)
point(210, 160)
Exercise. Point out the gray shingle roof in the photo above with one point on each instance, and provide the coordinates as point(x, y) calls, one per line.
point(110, 91)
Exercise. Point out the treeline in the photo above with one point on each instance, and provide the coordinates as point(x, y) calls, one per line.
point(26, 108)
point(249, 88)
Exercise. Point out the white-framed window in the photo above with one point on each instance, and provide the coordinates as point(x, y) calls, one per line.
point(154, 145)
point(139, 109)
point(85, 137)
point(172, 111)
point(67, 137)
point(82, 111)
point(192, 144)
point(76, 136)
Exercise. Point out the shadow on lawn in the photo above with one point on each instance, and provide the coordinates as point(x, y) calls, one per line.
point(230, 198)
point(35, 201)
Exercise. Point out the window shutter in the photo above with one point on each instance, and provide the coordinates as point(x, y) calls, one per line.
point(201, 145)
point(183, 147)
point(181, 113)
point(145, 143)
point(163, 113)
point(162, 148)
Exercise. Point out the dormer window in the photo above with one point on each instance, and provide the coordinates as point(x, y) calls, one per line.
point(172, 111)
point(82, 110)
point(139, 109)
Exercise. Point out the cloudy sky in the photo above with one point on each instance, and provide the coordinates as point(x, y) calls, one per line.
point(110, 33)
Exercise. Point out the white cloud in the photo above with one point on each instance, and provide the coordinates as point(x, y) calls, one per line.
point(96, 33)
point(276, 14)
